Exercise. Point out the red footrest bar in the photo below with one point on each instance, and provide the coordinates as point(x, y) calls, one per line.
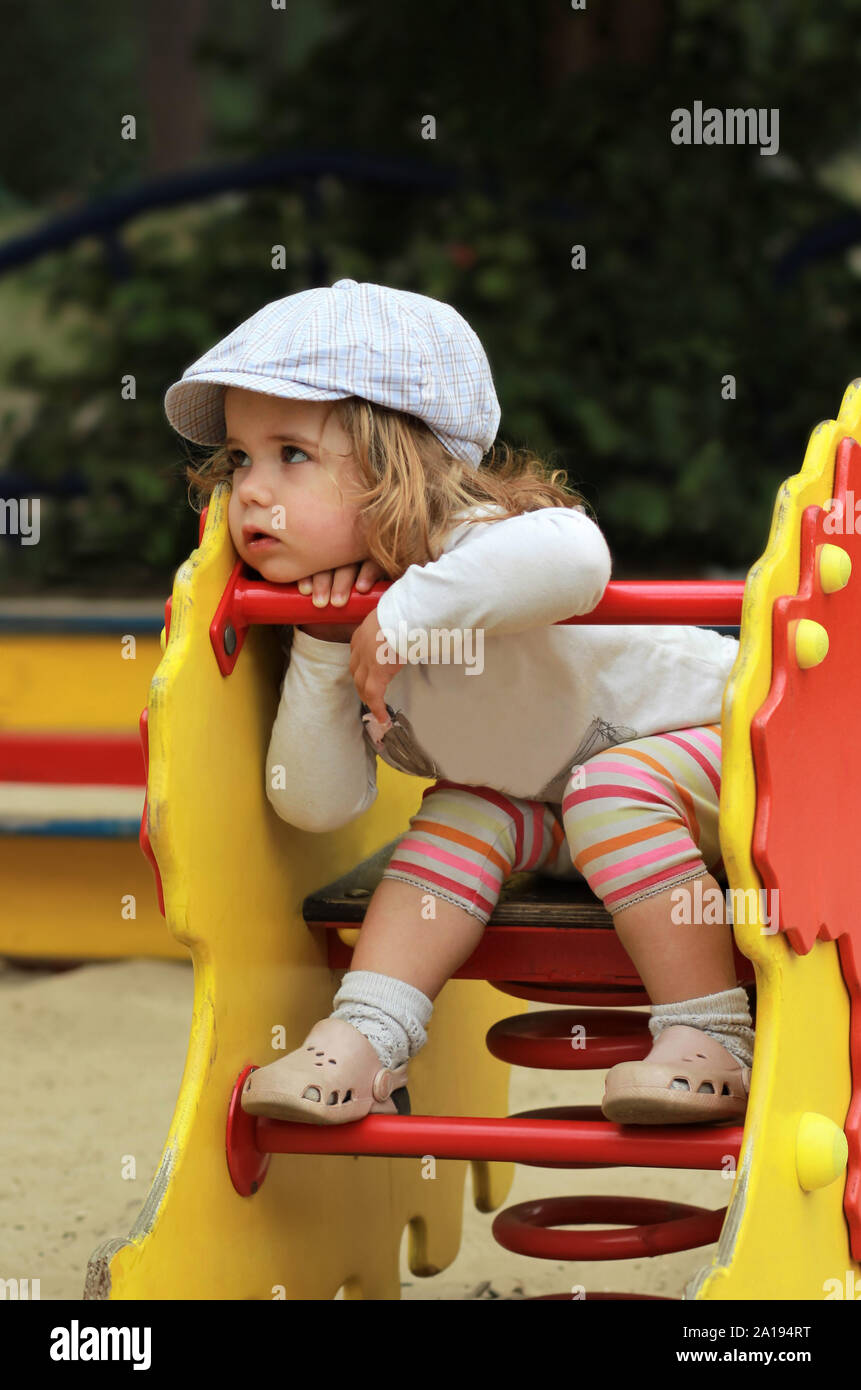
point(501, 1138)
point(562, 1112)
point(507, 1140)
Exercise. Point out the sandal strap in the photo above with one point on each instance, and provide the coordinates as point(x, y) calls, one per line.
point(355, 1054)
point(387, 1081)
point(680, 1043)
point(698, 1057)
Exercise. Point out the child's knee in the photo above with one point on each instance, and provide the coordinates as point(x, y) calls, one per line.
point(456, 848)
point(472, 823)
point(470, 840)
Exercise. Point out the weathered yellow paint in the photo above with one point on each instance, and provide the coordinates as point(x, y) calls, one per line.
point(234, 879)
point(778, 1240)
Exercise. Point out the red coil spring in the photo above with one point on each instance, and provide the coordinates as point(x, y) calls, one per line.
point(544, 1040)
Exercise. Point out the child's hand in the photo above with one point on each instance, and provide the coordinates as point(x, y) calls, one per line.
point(371, 676)
point(334, 586)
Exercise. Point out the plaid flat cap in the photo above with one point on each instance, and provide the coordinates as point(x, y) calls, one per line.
point(393, 347)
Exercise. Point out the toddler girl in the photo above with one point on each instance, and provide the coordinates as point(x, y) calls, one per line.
point(356, 423)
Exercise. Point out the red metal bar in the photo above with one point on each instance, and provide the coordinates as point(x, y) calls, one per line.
point(580, 1113)
point(579, 1137)
point(508, 1140)
point(558, 1137)
point(247, 600)
point(591, 956)
point(715, 601)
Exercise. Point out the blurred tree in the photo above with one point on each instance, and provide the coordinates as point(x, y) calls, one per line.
point(624, 31)
point(170, 82)
point(68, 72)
point(616, 372)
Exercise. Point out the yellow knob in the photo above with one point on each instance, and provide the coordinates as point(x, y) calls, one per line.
point(821, 1151)
point(835, 567)
point(811, 643)
point(162, 639)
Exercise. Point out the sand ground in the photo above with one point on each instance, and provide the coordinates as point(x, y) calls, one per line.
point(66, 1117)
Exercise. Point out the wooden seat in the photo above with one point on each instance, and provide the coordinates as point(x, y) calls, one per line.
point(544, 932)
point(526, 898)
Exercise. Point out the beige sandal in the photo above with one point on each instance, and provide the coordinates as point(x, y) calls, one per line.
point(334, 1077)
point(687, 1078)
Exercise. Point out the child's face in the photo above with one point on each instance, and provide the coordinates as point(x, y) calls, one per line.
point(302, 473)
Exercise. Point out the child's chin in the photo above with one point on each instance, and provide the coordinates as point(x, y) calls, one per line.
point(271, 573)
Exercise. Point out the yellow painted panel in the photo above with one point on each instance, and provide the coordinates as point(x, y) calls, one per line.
point(234, 880)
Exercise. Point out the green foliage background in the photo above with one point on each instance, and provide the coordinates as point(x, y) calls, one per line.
point(613, 372)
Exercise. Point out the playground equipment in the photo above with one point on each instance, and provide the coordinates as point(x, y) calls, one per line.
point(72, 783)
point(268, 912)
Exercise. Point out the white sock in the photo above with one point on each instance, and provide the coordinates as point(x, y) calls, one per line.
point(724, 1016)
point(392, 1015)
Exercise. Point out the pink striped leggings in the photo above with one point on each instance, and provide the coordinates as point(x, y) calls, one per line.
point(634, 820)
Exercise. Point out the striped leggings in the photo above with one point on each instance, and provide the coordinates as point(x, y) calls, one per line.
point(634, 820)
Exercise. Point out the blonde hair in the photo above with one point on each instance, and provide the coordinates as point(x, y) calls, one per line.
point(414, 487)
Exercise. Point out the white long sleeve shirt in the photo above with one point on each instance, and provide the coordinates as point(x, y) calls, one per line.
point(524, 703)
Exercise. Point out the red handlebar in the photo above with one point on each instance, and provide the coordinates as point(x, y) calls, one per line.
point(713, 601)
